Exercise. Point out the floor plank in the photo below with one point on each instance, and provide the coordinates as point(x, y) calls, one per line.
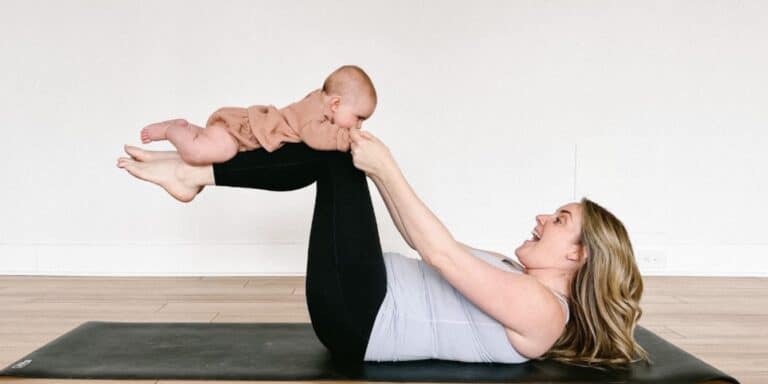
point(721, 320)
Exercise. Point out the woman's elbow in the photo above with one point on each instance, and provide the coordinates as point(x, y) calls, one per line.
point(435, 257)
point(531, 349)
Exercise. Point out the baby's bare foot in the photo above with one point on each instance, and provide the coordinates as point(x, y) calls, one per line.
point(164, 173)
point(145, 155)
point(156, 131)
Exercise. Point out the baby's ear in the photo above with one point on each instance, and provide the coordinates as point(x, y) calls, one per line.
point(334, 103)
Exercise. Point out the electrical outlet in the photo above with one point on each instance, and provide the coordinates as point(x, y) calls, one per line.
point(652, 259)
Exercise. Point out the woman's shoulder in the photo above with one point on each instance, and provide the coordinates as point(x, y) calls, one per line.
point(495, 258)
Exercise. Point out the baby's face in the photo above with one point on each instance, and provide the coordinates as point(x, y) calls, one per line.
point(350, 114)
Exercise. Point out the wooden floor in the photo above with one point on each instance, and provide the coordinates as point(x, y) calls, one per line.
point(723, 321)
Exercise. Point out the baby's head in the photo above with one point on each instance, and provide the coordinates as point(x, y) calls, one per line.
point(350, 96)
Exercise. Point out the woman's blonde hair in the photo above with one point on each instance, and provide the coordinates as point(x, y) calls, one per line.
point(605, 297)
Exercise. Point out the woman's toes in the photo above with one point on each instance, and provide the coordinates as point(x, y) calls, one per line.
point(162, 173)
point(144, 155)
point(123, 161)
point(136, 153)
point(136, 169)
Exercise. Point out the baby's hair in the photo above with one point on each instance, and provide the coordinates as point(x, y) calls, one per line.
point(350, 80)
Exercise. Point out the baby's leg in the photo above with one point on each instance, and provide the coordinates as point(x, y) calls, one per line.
point(157, 131)
point(202, 146)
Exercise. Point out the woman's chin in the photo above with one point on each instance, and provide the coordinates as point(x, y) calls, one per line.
point(524, 244)
point(523, 249)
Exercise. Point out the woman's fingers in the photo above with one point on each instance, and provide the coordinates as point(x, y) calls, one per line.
point(354, 134)
point(358, 134)
point(361, 140)
point(369, 136)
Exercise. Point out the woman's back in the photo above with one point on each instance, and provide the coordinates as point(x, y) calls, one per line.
point(424, 317)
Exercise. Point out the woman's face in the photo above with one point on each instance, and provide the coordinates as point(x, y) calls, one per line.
point(558, 243)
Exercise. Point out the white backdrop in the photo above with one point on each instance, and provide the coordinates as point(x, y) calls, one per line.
point(496, 112)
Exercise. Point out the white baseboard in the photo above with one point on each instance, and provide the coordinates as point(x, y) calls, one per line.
point(737, 260)
point(289, 259)
point(154, 259)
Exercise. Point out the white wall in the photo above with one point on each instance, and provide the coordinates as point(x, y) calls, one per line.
point(496, 112)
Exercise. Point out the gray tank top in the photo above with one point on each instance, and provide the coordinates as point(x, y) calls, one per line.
point(424, 317)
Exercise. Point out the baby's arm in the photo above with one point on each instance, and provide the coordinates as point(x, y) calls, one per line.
point(324, 136)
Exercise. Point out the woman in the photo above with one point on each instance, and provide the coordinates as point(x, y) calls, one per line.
point(575, 298)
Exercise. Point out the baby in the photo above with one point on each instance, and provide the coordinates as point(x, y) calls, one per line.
point(321, 119)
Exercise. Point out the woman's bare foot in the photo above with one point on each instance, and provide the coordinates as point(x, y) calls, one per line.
point(156, 131)
point(146, 155)
point(166, 173)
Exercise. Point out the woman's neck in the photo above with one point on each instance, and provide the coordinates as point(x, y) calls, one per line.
point(554, 278)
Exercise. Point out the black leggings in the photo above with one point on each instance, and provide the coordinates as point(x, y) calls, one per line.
point(346, 278)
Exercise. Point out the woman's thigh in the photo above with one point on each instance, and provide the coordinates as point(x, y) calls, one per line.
point(346, 276)
point(293, 166)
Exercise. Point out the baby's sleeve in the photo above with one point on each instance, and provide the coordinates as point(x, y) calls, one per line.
point(325, 136)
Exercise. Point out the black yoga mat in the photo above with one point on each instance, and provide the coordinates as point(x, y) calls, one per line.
point(291, 351)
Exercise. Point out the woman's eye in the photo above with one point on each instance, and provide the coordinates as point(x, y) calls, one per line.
point(557, 220)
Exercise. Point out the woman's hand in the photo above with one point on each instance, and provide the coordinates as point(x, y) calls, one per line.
point(369, 154)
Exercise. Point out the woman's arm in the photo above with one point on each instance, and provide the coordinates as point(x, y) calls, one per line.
point(424, 232)
point(392, 211)
point(518, 301)
point(499, 255)
point(399, 224)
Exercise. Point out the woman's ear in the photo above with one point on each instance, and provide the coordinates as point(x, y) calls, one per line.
point(578, 252)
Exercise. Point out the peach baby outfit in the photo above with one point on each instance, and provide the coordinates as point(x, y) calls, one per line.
point(264, 126)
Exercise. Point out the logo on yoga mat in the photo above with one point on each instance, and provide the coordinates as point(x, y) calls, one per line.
point(21, 364)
